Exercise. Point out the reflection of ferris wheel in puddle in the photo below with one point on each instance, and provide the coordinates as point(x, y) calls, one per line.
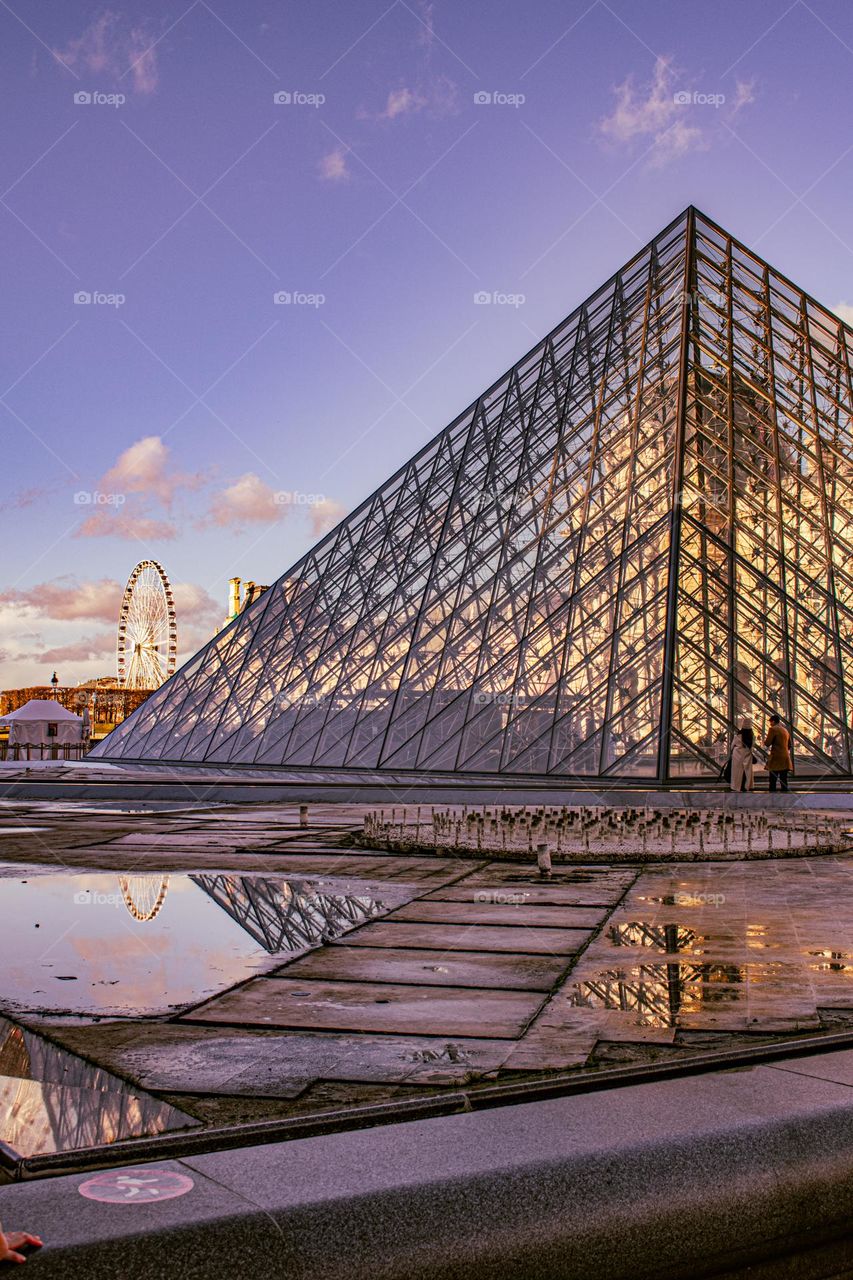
point(143, 895)
point(147, 648)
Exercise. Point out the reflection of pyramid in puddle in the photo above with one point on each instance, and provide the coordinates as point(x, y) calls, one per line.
point(656, 995)
point(288, 915)
point(51, 1100)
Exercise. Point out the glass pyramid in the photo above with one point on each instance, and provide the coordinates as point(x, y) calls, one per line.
point(641, 533)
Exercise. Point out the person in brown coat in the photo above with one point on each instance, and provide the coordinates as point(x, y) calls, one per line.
point(779, 762)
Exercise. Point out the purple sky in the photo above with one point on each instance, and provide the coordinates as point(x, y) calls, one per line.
point(381, 203)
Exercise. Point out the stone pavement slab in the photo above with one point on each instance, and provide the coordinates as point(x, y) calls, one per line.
point(484, 969)
point(249, 1062)
point(516, 940)
point(501, 912)
point(365, 1006)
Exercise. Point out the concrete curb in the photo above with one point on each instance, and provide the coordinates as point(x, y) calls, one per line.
point(704, 1176)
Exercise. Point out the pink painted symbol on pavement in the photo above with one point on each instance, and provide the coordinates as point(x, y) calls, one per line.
point(136, 1186)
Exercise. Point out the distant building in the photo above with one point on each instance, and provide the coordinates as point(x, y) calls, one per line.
point(236, 604)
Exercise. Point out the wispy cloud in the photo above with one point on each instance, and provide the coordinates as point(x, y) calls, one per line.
point(67, 599)
point(324, 516)
point(248, 501)
point(114, 47)
point(426, 32)
point(666, 118)
point(145, 468)
point(333, 166)
point(402, 102)
point(251, 501)
point(845, 311)
point(86, 649)
point(112, 522)
point(437, 95)
point(645, 112)
point(142, 476)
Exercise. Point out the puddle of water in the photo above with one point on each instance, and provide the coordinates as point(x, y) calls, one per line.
point(109, 945)
point(654, 995)
point(831, 961)
point(668, 938)
point(51, 1100)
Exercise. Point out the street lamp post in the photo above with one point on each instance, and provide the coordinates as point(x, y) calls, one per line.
point(54, 680)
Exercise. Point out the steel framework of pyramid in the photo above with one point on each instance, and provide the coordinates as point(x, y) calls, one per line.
point(640, 534)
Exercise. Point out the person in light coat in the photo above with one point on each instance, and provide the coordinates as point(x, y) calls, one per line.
point(742, 759)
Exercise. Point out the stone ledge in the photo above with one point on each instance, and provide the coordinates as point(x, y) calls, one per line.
point(698, 1176)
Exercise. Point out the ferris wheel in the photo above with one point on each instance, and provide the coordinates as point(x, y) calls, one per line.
point(147, 629)
point(144, 895)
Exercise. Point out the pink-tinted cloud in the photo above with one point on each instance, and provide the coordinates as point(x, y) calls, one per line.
point(195, 604)
point(402, 102)
point(333, 166)
point(145, 468)
point(112, 46)
point(27, 497)
point(66, 599)
point(248, 501)
point(86, 649)
point(143, 475)
point(435, 95)
point(324, 515)
point(125, 522)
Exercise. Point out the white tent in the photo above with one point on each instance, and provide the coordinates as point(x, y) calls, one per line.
point(41, 721)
